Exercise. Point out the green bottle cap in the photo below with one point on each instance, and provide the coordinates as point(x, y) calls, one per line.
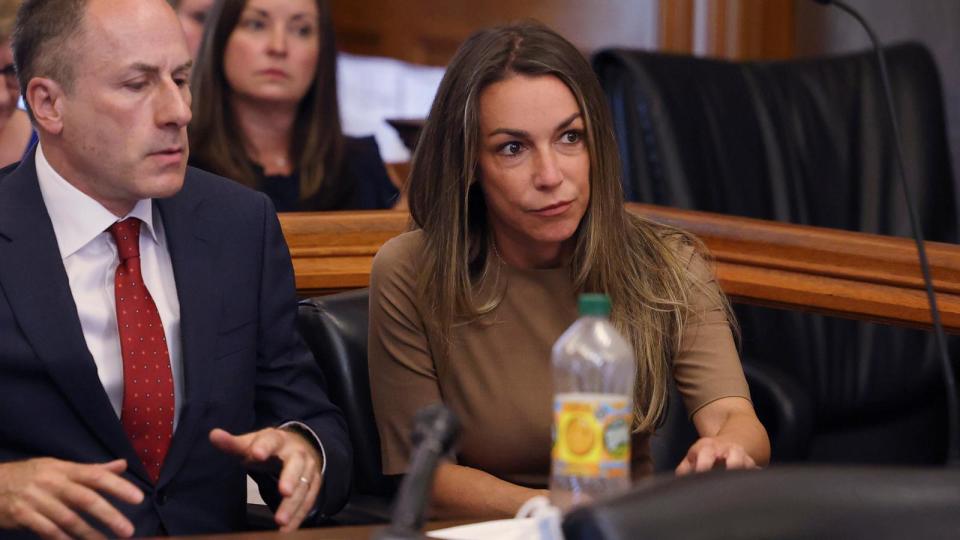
point(594, 305)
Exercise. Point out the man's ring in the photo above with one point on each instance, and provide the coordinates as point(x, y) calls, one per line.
point(304, 479)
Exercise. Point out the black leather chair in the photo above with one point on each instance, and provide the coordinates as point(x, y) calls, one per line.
point(335, 329)
point(804, 141)
point(784, 503)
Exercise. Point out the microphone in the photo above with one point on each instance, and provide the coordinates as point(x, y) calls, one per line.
point(435, 429)
point(953, 427)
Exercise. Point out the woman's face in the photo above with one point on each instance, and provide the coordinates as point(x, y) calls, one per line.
point(534, 167)
point(193, 15)
point(272, 53)
point(9, 91)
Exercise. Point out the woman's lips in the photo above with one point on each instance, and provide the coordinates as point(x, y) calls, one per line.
point(274, 72)
point(554, 209)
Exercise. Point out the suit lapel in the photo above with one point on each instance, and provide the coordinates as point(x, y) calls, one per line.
point(191, 238)
point(35, 283)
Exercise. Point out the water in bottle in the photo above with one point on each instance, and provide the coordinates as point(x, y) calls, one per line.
point(593, 378)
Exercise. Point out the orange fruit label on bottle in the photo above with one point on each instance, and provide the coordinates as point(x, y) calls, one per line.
point(592, 435)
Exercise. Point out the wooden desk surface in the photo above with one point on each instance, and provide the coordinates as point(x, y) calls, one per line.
point(361, 532)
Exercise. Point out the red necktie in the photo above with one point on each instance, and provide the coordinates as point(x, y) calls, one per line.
point(147, 410)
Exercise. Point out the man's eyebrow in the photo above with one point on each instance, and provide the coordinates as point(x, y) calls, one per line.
point(186, 66)
point(154, 70)
point(145, 68)
point(520, 134)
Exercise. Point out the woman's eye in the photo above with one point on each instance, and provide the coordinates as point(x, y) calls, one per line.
point(305, 31)
point(572, 137)
point(510, 149)
point(253, 24)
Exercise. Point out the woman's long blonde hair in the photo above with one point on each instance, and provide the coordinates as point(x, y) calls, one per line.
point(635, 261)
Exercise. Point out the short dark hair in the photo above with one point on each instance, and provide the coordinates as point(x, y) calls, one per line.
point(40, 37)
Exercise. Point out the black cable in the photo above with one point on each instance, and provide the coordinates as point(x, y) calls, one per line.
point(950, 385)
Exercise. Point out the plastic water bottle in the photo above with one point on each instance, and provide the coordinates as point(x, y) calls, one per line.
point(593, 378)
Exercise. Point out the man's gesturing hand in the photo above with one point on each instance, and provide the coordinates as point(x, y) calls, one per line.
point(45, 494)
point(300, 477)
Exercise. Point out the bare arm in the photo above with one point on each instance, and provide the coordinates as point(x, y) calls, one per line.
point(465, 492)
point(731, 437)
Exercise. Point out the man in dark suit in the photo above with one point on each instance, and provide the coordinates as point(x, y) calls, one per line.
point(148, 350)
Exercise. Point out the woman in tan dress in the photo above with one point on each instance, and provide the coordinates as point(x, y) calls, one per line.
point(515, 193)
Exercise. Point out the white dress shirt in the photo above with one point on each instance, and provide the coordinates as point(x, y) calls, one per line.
point(90, 258)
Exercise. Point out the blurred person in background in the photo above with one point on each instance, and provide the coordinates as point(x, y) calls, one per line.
point(193, 15)
point(265, 109)
point(16, 135)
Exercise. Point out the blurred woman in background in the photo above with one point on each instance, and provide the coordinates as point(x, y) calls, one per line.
point(193, 16)
point(16, 133)
point(265, 109)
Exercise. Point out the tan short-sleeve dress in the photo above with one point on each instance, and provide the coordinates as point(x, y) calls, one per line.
point(497, 377)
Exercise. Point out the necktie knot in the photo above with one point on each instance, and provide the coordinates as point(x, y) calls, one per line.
point(126, 234)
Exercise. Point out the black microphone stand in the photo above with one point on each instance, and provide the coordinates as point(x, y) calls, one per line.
point(435, 429)
point(950, 385)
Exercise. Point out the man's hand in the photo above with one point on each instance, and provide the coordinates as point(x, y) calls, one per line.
point(45, 494)
point(300, 477)
point(712, 452)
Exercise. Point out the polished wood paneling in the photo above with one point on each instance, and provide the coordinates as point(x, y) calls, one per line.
point(676, 26)
point(429, 31)
point(333, 251)
point(761, 262)
point(844, 273)
point(766, 30)
point(733, 29)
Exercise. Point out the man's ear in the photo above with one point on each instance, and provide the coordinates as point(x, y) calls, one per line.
point(46, 99)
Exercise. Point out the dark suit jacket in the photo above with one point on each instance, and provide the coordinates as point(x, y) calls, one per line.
point(244, 365)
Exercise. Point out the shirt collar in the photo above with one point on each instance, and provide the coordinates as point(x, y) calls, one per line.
point(77, 218)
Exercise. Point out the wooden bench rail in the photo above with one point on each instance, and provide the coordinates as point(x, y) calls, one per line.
point(842, 273)
point(333, 251)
